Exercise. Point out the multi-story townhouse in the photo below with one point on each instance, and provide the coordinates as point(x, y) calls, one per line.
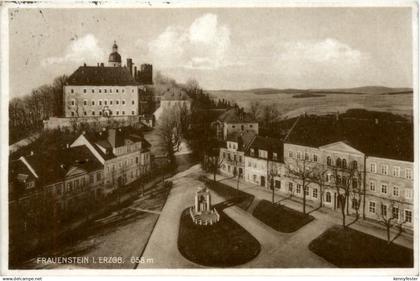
point(264, 162)
point(64, 181)
point(112, 90)
point(233, 154)
point(371, 158)
point(234, 120)
point(123, 151)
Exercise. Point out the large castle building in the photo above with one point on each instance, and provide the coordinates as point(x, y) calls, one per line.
point(108, 91)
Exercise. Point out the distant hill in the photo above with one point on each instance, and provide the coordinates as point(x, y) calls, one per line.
point(358, 90)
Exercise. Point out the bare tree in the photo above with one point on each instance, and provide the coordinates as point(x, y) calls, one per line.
point(170, 132)
point(272, 172)
point(391, 220)
point(213, 162)
point(319, 178)
point(302, 173)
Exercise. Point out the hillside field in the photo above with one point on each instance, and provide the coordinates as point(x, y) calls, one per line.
point(291, 103)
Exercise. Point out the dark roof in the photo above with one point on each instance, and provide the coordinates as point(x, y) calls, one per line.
point(243, 138)
point(236, 115)
point(175, 94)
point(114, 57)
point(53, 167)
point(112, 138)
point(268, 144)
point(101, 76)
point(385, 138)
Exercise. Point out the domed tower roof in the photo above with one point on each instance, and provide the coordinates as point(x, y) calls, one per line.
point(114, 57)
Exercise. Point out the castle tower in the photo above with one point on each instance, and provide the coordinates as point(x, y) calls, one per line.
point(114, 57)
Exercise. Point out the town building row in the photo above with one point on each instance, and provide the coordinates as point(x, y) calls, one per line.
point(324, 157)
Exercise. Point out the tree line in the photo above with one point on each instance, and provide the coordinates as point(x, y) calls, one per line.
point(26, 114)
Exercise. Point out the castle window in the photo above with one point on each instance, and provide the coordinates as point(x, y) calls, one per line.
point(72, 113)
point(373, 167)
point(84, 113)
point(132, 90)
point(116, 90)
point(123, 112)
point(132, 112)
point(132, 102)
point(105, 90)
point(93, 90)
point(110, 102)
point(93, 102)
point(396, 171)
point(100, 91)
point(71, 91)
point(354, 165)
point(105, 102)
point(85, 102)
point(73, 102)
point(93, 112)
point(344, 164)
point(118, 113)
point(110, 90)
point(315, 158)
point(100, 112)
point(84, 91)
point(338, 162)
point(100, 102)
point(123, 102)
point(117, 102)
point(408, 216)
point(396, 191)
point(408, 173)
point(384, 169)
point(328, 161)
point(123, 90)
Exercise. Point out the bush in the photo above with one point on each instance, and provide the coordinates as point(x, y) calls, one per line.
point(168, 184)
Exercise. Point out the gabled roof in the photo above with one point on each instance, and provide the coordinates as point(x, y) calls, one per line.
point(385, 138)
point(236, 115)
point(53, 167)
point(101, 76)
point(244, 138)
point(268, 144)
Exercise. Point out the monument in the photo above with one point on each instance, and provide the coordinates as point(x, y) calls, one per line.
point(202, 213)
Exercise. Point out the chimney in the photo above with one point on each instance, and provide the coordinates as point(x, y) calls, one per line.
point(130, 65)
point(102, 64)
point(84, 64)
point(135, 73)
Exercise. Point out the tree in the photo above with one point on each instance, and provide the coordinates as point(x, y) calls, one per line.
point(319, 175)
point(346, 179)
point(390, 220)
point(302, 173)
point(272, 172)
point(169, 130)
point(254, 109)
point(268, 113)
point(213, 162)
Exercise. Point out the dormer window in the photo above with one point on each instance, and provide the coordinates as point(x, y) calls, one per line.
point(252, 152)
point(274, 156)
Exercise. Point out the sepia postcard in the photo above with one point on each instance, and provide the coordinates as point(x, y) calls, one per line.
point(233, 138)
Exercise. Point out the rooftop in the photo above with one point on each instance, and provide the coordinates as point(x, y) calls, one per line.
point(384, 136)
point(243, 139)
point(267, 144)
point(236, 115)
point(102, 76)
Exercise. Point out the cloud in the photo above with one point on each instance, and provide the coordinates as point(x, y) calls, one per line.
point(321, 52)
point(83, 49)
point(202, 45)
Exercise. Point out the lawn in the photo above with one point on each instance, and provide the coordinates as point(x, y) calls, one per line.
point(354, 249)
point(224, 244)
point(242, 199)
point(279, 217)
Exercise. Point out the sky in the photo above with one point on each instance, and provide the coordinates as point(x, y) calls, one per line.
point(230, 48)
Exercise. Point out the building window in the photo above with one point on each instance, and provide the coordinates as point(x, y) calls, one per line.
point(408, 194)
point(132, 112)
point(71, 91)
point(344, 164)
point(278, 184)
point(408, 173)
point(396, 191)
point(93, 90)
point(73, 102)
point(384, 210)
point(329, 161)
point(354, 204)
point(98, 176)
point(372, 186)
point(123, 112)
point(116, 90)
point(298, 188)
point(307, 156)
point(92, 102)
point(132, 102)
point(274, 156)
point(72, 113)
point(396, 171)
point(93, 112)
point(407, 216)
point(84, 113)
point(252, 152)
point(262, 154)
point(306, 191)
point(105, 91)
point(100, 102)
point(290, 187)
point(100, 91)
point(373, 167)
point(384, 188)
point(299, 155)
point(372, 207)
point(110, 102)
point(118, 112)
point(100, 112)
point(354, 164)
point(384, 169)
point(315, 158)
point(328, 197)
point(290, 154)
point(105, 102)
point(85, 102)
point(395, 213)
point(315, 193)
point(123, 102)
point(338, 162)
point(84, 91)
